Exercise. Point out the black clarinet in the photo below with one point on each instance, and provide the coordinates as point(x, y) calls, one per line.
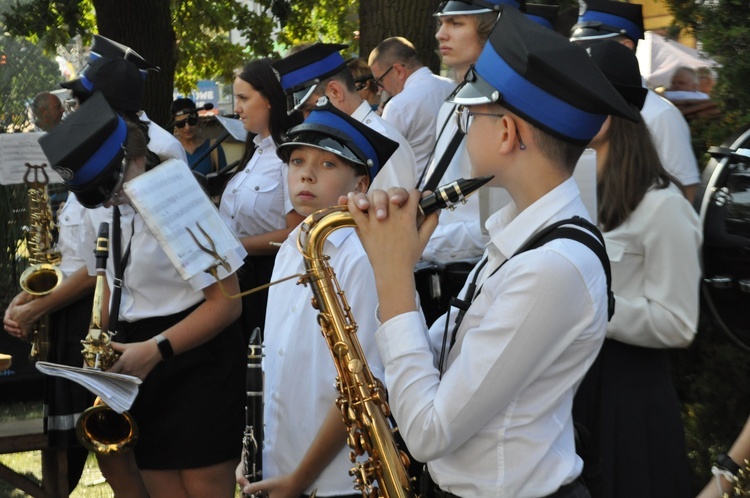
point(252, 443)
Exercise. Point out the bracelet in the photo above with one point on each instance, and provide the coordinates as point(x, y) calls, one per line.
point(165, 347)
point(725, 462)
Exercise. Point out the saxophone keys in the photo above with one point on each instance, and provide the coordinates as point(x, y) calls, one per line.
point(355, 366)
point(340, 349)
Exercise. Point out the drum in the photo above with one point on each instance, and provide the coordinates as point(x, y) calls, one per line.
point(724, 207)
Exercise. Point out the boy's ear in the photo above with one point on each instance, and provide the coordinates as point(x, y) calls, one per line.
point(363, 183)
point(507, 134)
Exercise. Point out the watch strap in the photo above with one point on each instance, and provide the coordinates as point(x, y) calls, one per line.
point(165, 347)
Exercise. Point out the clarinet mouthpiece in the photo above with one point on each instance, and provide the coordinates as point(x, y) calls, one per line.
point(451, 194)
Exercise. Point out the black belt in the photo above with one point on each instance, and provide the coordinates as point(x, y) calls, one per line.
point(563, 492)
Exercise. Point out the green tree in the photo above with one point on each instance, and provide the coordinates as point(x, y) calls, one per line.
point(723, 28)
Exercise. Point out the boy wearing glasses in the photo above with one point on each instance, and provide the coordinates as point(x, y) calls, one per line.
point(320, 70)
point(488, 406)
point(417, 94)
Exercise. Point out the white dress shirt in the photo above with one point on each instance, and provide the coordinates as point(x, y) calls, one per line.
point(499, 421)
point(69, 238)
point(151, 284)
point(459, 235)
point(401, 169)
point(299, 372)
point(255, 200)
point(414, 111)
point(671, 135)
point(656, 272)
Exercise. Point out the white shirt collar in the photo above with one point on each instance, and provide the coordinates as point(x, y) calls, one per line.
point(509, 229)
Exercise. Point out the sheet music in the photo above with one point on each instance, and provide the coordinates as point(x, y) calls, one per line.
point(170, 199)
point(234, 127)
point(17, 149)
point(118, 391)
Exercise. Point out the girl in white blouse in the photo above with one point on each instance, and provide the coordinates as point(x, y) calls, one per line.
point(628, 400)
point(255, 203)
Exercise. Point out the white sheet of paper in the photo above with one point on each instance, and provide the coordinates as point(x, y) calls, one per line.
point(17, 149)
point(170, 199)
point(118, 391)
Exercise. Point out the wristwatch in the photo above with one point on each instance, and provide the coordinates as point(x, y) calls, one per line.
point(165, 348)
point(725, 462)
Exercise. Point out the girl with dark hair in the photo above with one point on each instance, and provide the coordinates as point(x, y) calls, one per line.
point(255, 202)
point(628, 400)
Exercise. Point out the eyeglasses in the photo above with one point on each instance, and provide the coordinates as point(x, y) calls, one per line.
point(71, 105)
point(361, 82)
point(192, 120)
point(464, 115)
point(379, 81)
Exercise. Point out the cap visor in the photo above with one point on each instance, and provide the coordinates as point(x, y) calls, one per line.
point(295, 100)
point(101, 189)
point(319, 141)
point(458, 8)
point(474, 93)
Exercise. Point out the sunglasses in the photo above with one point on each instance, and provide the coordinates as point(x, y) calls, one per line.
point(192, 120)
point(361, 82)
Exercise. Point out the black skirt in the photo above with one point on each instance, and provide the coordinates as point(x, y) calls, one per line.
point(256, 271)
point(65, 400)
point(636, 446)
point(190, 408)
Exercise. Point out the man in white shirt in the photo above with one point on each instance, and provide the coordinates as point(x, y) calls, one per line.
point(459, 240)
point(623, 22)
point(417, 94)
point(320, 70)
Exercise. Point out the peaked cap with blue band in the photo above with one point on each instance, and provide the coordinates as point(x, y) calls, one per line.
point(471, 7)
point(329, 129)
point(300, 73)
point(105, 48)
point(545, 79)
point(86, 149)
point(600, 19)
point(543, 14)
point(118, 80)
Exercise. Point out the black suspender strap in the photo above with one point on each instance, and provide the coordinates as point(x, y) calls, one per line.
point(120, 261)
point(552, 232)
point(444, 161)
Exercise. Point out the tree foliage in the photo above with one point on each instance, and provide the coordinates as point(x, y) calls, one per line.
point(723, 28)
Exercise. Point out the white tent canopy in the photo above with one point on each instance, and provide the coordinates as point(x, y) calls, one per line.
point(659, 57)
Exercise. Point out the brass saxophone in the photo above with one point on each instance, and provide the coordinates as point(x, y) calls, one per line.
point(362, 397)
point(100, 428)
point(44, 274)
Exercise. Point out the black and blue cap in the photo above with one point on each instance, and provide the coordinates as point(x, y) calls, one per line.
point(472, 7)
point(300, 72)
point(329, 129)
point(543, 14)
point(104, 48)
point(539, 75)
point(87, 150)
point(118, 80)
point(620, 65)
point(600, 19)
